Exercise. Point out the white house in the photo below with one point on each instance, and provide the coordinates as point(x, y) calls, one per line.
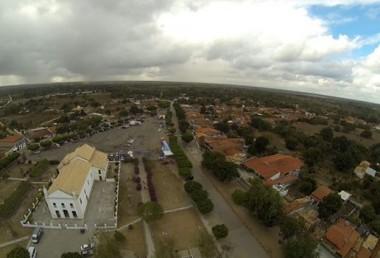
point(68, 195)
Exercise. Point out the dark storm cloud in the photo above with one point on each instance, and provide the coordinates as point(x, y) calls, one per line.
point(86, 38)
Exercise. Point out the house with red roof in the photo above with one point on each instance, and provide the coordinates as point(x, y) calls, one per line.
point(14, 142)
point(275, 169)
point(341, 238)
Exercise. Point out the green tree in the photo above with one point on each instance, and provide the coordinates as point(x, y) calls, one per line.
point(187, 137)
point(191, 186)
point(327, 134)
point(306, 185)
point(18, 252)
point(220, 231)
point(291, 226)
point(259, 146)
point(46, 144)
point(205, 206)
point(150, 211)
point(312, 156)
point(301, 247)
point(33, 146)
point(264, 203)
point(240, 197)
point(367, 213)
point(375, 225)
point(222, 169)
point(260, 124)
point(291, 143)
point(329, 205)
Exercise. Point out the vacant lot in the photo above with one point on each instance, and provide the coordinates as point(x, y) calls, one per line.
point(182, 228)
point(5, 250)
point(274, 140)
point(169, 186)
point(7, 188)
point(129, 197)
point(135, 240)
point(11, 228)
point(18, 170)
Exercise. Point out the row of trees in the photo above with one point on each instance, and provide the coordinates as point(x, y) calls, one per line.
point(183, 125)
point(183, 163)
point(199, 196)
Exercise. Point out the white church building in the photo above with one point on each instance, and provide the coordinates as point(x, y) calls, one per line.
point(70, 191)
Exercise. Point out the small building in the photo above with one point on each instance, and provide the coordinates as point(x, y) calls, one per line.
point(70, 191)
point(11, 143)
point(40, 133)
point(231, 148)
point(345, 196)
point(276, 169)
point(320, 193)
point(341, 238)
point(364, 169)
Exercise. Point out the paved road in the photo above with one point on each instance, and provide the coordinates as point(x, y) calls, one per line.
point(243, 244)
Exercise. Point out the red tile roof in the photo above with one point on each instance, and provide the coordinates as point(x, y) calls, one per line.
point(282, 180)
point(342, 236)
point(363, 253)
point(11, 138)
point(227, 146)
point(321, 192)
point(271, 165)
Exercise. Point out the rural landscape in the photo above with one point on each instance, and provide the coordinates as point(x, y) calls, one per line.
point(166, 169)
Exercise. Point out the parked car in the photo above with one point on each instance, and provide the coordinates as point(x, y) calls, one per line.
point(32, 252)
point(87, 249)
point(36, 236)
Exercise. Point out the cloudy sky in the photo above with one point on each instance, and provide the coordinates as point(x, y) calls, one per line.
point(322, 46)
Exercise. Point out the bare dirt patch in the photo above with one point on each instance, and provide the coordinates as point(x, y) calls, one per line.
point(135, 240)
point(129, 197)
point(169, 187)
point(183, 228)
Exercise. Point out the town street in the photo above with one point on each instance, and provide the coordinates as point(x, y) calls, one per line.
point(243, 244)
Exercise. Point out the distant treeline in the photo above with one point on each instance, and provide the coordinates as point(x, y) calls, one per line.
point(206, 94)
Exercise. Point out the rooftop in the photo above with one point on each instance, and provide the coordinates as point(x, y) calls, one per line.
point(11, 139)
point(342, 236)
point(271, 165)
point(74, 168)
point(321, 192)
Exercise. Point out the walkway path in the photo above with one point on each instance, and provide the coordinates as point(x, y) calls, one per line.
point(146, 198)
point(15, 241)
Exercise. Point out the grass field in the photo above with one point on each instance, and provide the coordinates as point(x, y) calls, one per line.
point(135, 240)
point(5, 250)
point(169, 186)
point(7, 188)
point(129, 197)
point(181, 228)
point(11, 228)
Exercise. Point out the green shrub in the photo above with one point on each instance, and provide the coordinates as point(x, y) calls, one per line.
point(192, 186)
point(220, 231)
point(33, 146)
point(39, 168)
point(205, 206)
point(119, 236)
point(18, 252)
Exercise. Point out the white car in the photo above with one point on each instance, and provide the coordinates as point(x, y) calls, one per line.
point(32, 252)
